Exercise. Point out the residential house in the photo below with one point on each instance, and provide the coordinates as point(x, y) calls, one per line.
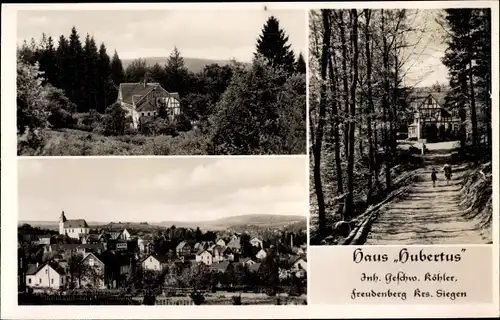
point(217, 252)
point(297, 263)
point(228, 254)
point(73, 228)
point(256, 242)
point(261, 254)
point(70, 248)
point(155, 262)
point(143, 100)
point(430, 120)
point(145, 243)
point(235, 245)
point(183, 249)
point(221, 242)
point(48, 275)
point(95, 276)
point(125, 235)
point(254, 267)
point(247, 261)
point(44, 239)
point(204, 256)
point(221, 266)
point(90, 238)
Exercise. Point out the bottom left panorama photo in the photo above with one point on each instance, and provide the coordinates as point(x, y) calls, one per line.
point(162, 231)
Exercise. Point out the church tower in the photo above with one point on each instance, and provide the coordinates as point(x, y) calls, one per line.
point(62, 219)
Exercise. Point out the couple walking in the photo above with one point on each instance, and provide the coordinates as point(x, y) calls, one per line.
point(447, 174)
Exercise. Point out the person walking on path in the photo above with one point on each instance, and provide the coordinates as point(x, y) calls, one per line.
point(447, 173)
point(434, 177)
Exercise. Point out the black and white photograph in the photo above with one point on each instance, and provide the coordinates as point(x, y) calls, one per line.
point(162, 231)
point(400, 126)
point(161, 82)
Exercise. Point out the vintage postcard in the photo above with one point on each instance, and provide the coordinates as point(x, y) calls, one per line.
point(161, 82)
point(250, 160)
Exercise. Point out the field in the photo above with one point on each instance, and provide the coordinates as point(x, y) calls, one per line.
point(70, 142)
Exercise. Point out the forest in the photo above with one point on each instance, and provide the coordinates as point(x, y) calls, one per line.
point(359, 101)
point(66, 94)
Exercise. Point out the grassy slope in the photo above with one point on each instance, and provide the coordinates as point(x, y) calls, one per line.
point(69, 142)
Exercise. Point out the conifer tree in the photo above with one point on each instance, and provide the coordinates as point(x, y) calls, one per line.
point(62, 61)
point(106, 91)
point(90, 81)
point(300, 64)
point(117, 72)
point(75, 69)
point(273, 45)
point(176, 74)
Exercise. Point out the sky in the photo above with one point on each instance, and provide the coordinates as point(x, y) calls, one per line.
point(210, 34)
point(160, 189)
point(424, 66)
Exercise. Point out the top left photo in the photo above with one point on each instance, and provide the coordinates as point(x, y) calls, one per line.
point(161, 82)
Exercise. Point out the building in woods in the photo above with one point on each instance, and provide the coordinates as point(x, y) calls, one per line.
point(143, 100)
point(430, 120)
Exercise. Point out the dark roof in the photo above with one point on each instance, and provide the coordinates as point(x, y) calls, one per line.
point(77, 223)
point(254, 267)
point(221, 265)
point(34, 269)
point(145, 105)
point(235, 243)
point(182, 245)
point(72, 246)
point(135, 89)
point(294, 259)
point(161, 258)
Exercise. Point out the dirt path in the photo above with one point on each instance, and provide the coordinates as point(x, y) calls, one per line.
point(427, 214)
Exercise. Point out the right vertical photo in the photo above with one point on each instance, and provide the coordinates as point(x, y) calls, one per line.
point(400, 126)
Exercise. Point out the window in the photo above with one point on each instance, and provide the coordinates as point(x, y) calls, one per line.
point(91, 262)
point(150, 259)
point(40, 280)
point(46, 271)
point(29, 280)
point(52, 280)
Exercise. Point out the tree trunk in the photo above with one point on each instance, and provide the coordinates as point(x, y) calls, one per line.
point(371, 107)
point(385, 107)
point(321, 123)
point(335, 124)
point(348, 206)
point(473, 116)
point(344, 78)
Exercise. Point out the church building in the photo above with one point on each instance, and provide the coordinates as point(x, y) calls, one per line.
point(73, 228)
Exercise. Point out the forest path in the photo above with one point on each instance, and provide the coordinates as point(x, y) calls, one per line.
point(427, 214)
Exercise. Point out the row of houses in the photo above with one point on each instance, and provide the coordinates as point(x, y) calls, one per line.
point(109, 256)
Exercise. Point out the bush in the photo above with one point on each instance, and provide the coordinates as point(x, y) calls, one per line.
point(198, 298)
point(237, 300)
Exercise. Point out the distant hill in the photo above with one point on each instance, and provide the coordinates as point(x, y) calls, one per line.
point(263, 220)
point(193, 64)
point(260, 220)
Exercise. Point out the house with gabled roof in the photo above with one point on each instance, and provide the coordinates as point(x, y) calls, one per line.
point(48, 275)
point(205, 256)
point(96, 267)
point(76, 228)
point(221, 266)
point(430, 119)
point(183, 249)
point(143, 100)
point(155, 262)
